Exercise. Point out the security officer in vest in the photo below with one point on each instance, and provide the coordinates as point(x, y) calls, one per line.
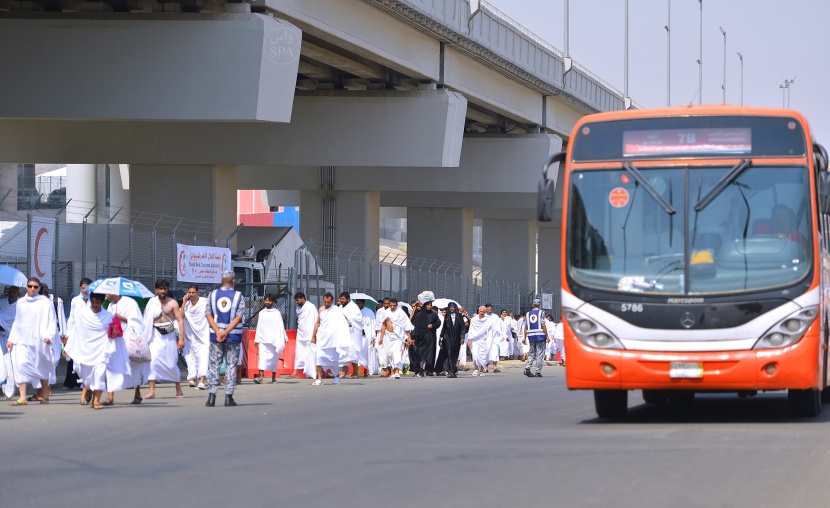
point(224, 315)
point(537, 334)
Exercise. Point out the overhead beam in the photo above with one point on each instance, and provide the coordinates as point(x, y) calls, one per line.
point(344, 63)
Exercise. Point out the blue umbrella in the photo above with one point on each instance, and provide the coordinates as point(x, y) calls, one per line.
point(120, 286)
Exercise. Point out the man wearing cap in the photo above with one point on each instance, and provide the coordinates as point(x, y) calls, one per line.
point(537, 336)
point(224, 315)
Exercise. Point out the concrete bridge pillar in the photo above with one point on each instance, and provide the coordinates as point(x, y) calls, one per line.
point(550, 256)
point(120, 192)
point(354, 217)
point(509, 246)
point(204, 194)
point(444, 235)
point(82, 189)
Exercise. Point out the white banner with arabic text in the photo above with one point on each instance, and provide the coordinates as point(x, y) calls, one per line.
point(196, 263)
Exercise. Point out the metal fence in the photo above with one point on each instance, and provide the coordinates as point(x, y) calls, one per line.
point(321, 268)
point(104, 244)
point(143, 248)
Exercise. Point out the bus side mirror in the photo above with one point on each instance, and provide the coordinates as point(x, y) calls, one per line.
point(547, 189)
point(824, 192)
point(820, 157)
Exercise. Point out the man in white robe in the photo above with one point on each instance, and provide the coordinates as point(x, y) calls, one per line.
point(270, 337)
point(368, 356)
point(350, 355)
point(197, 337)
point(522, 342)
point(94, 352)
point(394, 336)
point(466, 345)
point(60, 332)
point(504, 335)
point(306, 320)
point(380, 318)
point(8, 306)
point(331, 335)
point(78, 302)
point(126, 310)
point(161, 316)
point(495, 338)
point(30, 340)
point(480, 335)
point(558, 340)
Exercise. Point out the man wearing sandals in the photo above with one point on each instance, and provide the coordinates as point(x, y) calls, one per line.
point(93, 350)
point(161, 315)
point(224, 313)
point(270, 338)
point(30, 340)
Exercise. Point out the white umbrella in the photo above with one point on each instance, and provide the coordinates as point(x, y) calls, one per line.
point(407, 307)
point(120, 286)
point(362, 296)
point(443, 303)
point(10, 276)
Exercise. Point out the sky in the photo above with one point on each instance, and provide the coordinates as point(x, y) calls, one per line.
point(779, 39)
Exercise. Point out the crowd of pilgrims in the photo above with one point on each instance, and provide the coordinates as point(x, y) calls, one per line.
point(111, 345)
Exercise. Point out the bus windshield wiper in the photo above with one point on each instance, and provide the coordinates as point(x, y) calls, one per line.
point(633, 171)
point(722, 184)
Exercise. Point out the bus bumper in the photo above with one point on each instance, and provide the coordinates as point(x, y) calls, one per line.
point(796, 366)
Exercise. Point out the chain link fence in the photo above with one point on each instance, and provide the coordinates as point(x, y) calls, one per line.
point(142, 246)
point(321, 268)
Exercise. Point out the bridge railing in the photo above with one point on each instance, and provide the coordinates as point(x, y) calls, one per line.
point(505, 38)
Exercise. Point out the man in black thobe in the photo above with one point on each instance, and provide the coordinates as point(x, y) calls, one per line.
point(452, 336)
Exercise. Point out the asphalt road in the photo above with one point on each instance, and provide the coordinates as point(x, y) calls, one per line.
point(501, 440)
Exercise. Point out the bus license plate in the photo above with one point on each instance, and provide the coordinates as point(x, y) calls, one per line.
point(686, 370)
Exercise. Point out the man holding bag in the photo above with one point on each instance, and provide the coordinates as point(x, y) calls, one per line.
point(126, 310)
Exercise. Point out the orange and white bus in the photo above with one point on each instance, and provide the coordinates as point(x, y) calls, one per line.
point(695, 255)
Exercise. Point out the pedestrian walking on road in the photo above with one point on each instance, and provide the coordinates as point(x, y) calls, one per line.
point(537, 336)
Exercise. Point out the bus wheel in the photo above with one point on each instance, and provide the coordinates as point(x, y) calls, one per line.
point(825, 395)
point(611, 404)
point(655, 396)
point(805, 403)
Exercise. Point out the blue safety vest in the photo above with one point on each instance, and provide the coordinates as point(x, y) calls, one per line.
point(224, 305)
point(535, 318)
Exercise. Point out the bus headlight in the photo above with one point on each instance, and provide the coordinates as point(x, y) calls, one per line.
point(589, 332)
point(789, 330)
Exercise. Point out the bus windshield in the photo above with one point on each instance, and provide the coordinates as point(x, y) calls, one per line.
point(752, 234)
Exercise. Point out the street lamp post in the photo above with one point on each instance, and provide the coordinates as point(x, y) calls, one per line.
point(700, 59)
point(741, 58)
point(567, 60)
point(627, 98)
point(785, 92)
point(668, 56)
point(723, 84)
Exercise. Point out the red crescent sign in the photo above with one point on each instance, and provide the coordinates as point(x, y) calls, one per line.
point(40, 233)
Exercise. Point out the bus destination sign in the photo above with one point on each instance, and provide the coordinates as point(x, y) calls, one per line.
point(720, 141)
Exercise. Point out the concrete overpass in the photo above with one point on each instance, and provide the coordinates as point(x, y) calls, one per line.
point(394, 102)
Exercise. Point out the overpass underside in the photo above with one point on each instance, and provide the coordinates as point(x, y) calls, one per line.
point(192, 100)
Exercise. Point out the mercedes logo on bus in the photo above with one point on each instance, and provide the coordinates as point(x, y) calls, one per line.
point(687, 320)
